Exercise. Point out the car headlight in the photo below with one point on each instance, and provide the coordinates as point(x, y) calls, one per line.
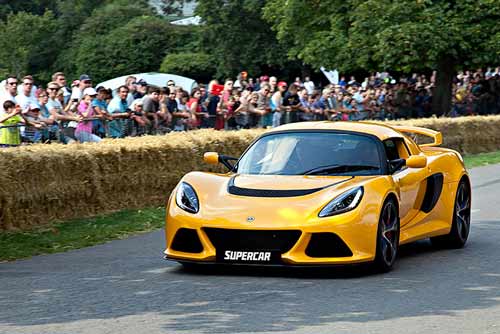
point(186, 198)
point(344, 202)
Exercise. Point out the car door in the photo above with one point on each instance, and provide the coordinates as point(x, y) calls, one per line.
point(410, 182)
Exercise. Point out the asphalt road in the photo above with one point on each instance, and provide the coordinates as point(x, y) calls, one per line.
point(126, 287)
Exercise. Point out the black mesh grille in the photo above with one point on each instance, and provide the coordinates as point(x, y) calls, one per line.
point(327, 245)
point(187, 240)
point(250, 240)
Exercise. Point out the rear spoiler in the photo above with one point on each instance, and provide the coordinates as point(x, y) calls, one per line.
point(436, 135)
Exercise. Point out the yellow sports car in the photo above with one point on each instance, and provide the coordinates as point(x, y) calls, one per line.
point(321, 193)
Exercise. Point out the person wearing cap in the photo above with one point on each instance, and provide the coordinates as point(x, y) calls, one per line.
point(34, 124)
point(77, 91)
point(84, 128)
point(141, 122)
point(142, 89)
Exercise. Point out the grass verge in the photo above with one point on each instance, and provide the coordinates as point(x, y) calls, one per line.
point(482, 159)
point(79, 233)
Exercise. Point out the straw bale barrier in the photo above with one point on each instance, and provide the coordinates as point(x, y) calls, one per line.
point(42, 183)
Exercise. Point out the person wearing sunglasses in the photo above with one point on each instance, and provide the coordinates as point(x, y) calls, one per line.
point(10, 92)
point(26, 96)
point(63, 118)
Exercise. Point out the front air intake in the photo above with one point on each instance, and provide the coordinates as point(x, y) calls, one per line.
point(187, 240)
point(327, 245)
point(252, 240)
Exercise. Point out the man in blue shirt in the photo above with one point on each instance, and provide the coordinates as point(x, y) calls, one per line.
point(118, 110)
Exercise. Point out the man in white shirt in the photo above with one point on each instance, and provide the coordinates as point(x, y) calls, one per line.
point(77, 91)
point(26, 98)
point(8, 93)
point(309, 85)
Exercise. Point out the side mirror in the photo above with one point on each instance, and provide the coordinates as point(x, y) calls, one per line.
point(214, 158)
point(416, 161)
point(211, 158)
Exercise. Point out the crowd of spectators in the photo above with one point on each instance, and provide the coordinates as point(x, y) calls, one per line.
point(82, 113)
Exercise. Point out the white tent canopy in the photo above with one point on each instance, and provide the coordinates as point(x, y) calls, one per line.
point(154, 79)
point(195, 20)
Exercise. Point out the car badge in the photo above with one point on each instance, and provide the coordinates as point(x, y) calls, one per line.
point(250, 219)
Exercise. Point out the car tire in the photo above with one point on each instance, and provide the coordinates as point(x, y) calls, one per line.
point(387, 237)
point(460, 226)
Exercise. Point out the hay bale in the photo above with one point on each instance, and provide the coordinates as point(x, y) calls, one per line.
point(42, 183)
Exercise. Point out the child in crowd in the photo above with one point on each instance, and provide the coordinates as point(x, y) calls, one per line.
point(34, 124)
point(83, 130)
point(9, 131)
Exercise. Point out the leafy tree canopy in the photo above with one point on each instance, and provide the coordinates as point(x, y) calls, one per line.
point(23, 43)
point(401, 35)
point(196, 65)
point(138, 46)
point(237, 37)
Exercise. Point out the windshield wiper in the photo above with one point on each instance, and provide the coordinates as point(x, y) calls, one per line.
point(337, 168)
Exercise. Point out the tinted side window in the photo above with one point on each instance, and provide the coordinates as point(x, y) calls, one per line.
point(391, 150)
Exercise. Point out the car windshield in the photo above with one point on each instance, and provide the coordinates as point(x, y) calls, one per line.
point(311, 153)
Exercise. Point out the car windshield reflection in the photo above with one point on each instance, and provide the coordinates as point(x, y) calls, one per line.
point(312, 153)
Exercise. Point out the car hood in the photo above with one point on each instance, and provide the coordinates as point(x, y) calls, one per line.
point(269, 198)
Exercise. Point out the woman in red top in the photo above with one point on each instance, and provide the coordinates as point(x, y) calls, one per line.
point(194, 107)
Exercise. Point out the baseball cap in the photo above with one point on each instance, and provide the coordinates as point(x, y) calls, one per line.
point(34, 106)
point(142, 82)
point(264, 78)
point(282, 84)
point(85, 77)
point(89, 91)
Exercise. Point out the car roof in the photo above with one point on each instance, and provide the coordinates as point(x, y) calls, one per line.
point(379, 130)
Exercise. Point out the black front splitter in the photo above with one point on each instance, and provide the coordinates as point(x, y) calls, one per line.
point(264, 265)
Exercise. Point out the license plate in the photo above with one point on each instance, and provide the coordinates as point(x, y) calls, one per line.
point(245, 256)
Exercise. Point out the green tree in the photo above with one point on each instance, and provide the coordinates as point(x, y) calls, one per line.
point(237, 37)
point(137, 46)
point(400, 35)
point(25, 43)
point(196, 65)
point(93, 19)
point(37, 7)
